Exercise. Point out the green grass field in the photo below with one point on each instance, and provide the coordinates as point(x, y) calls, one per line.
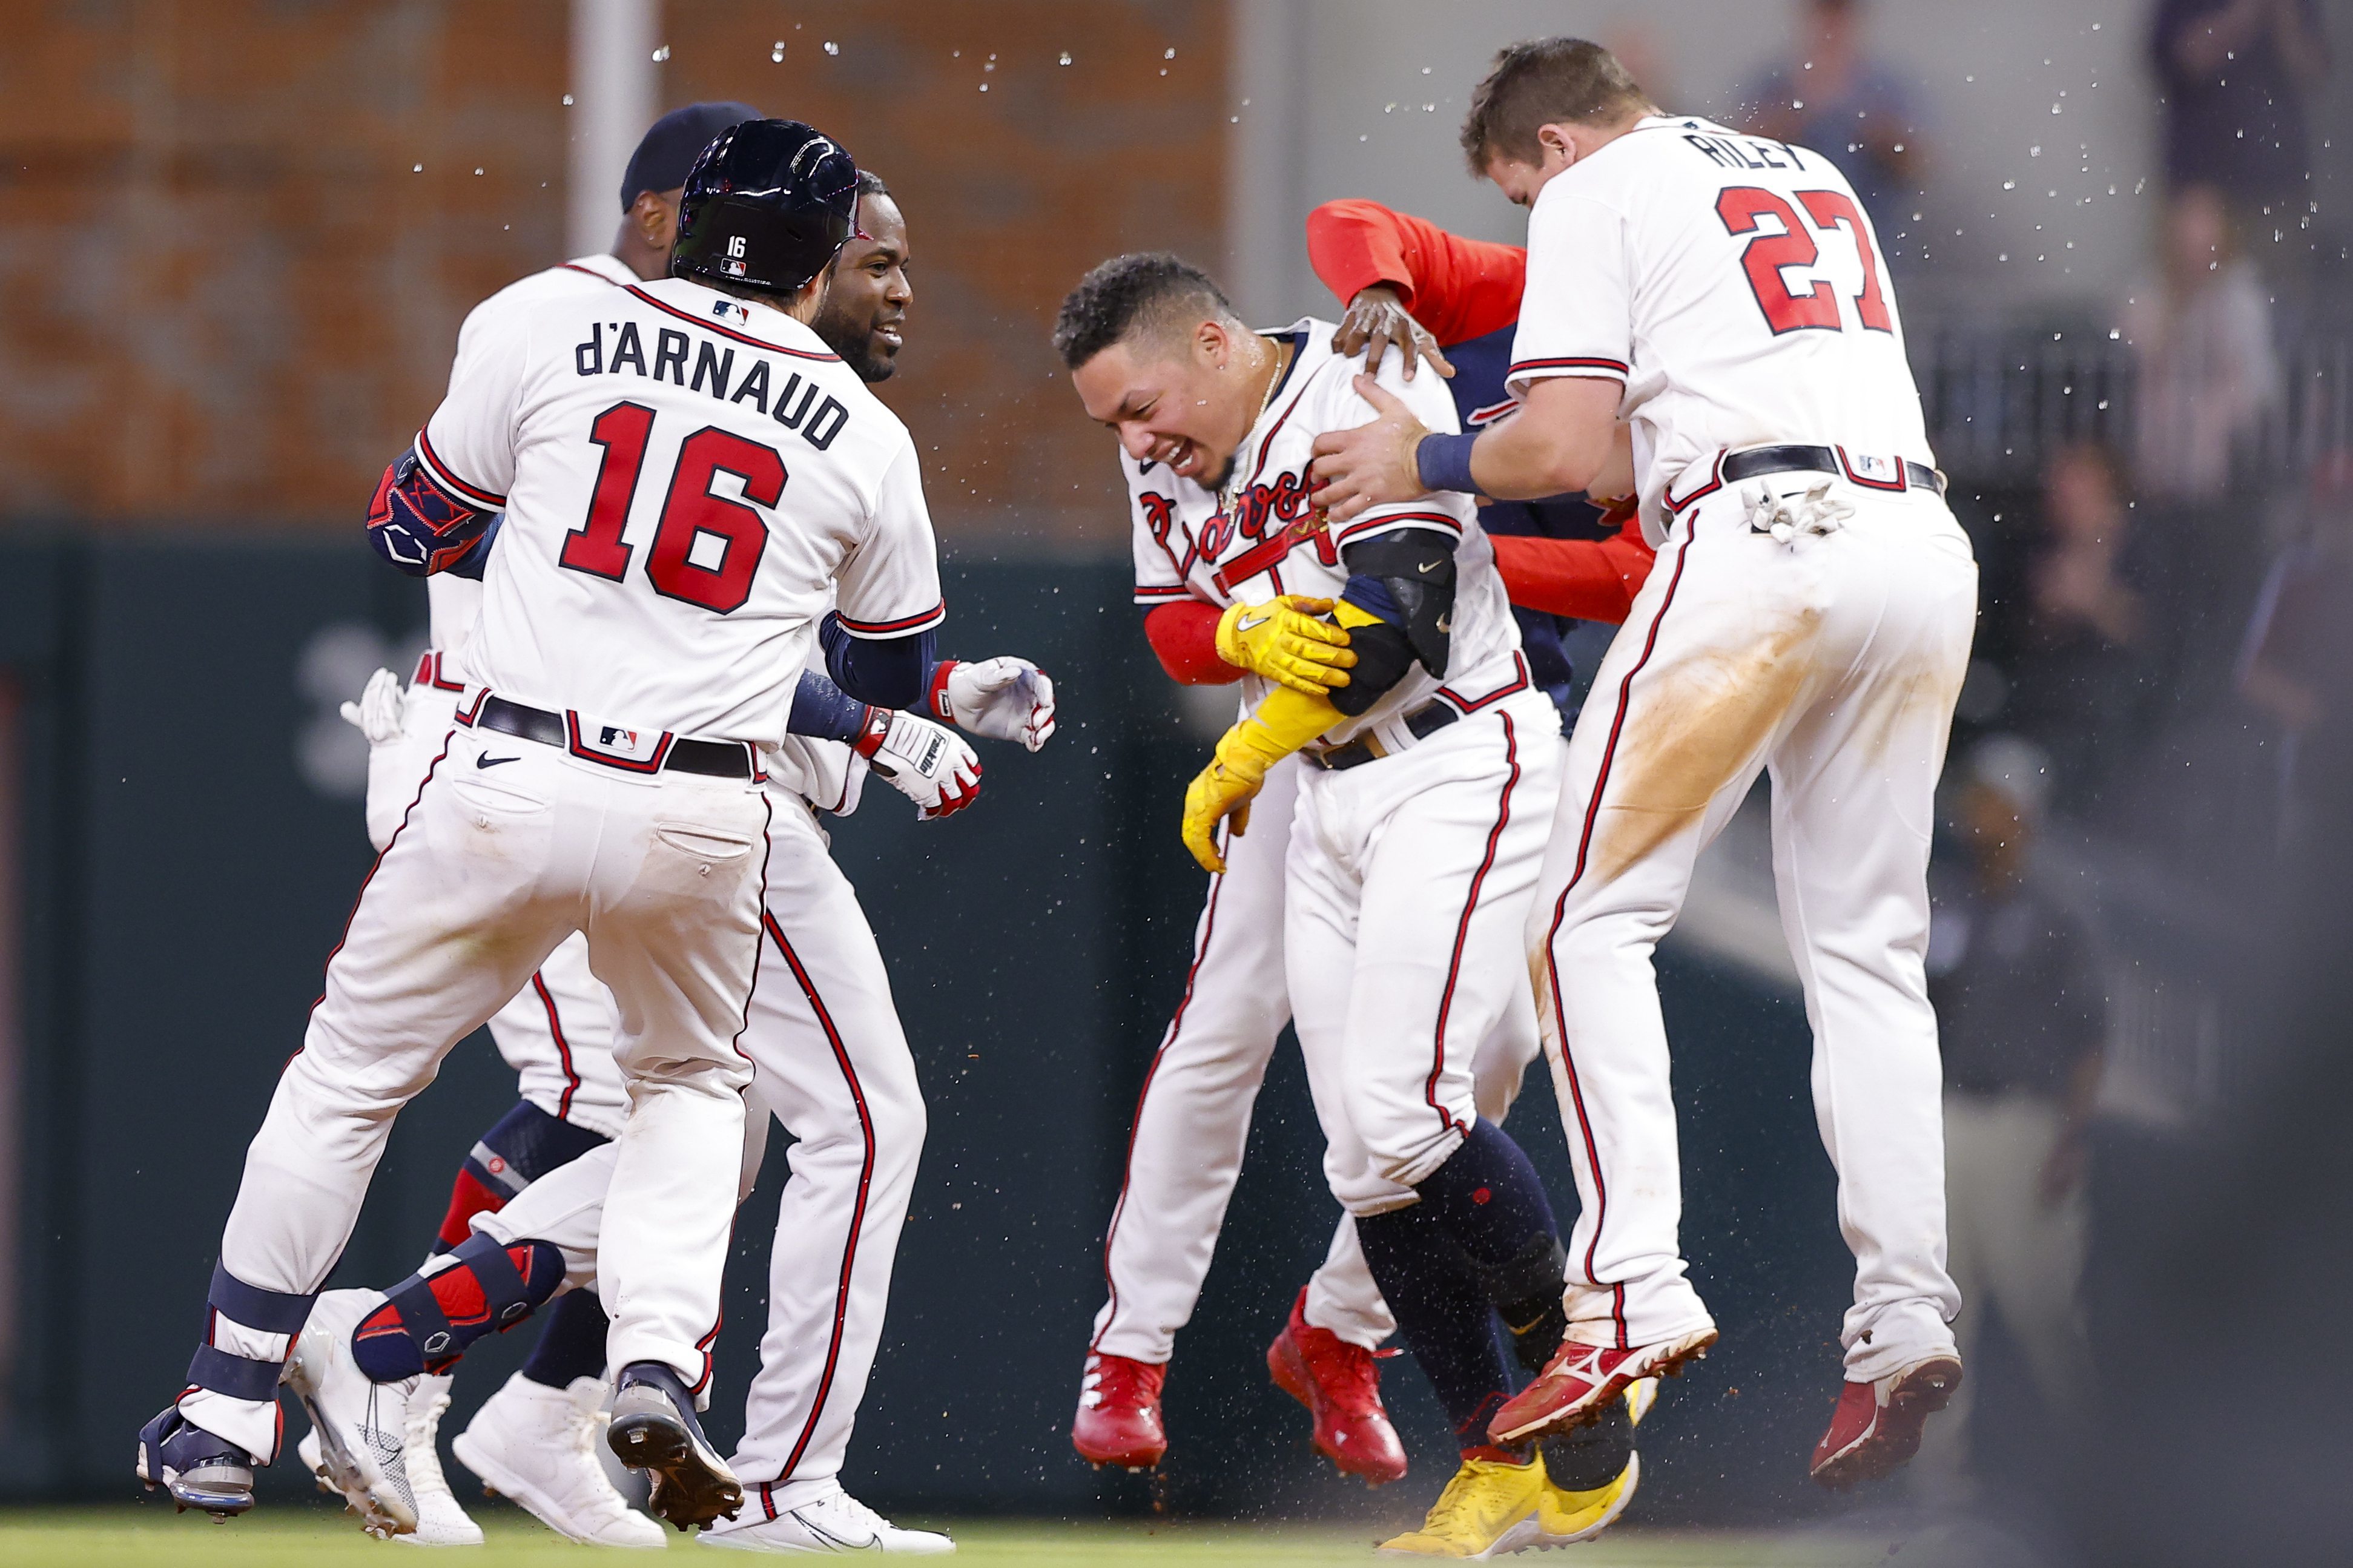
point(291, 1537)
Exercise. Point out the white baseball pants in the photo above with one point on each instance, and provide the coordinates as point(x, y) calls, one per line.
point(557, 1031)
point(1193, 1116)
point(1408, 887)
point(832, 1063)
point(1833, 661)
point(493, 868)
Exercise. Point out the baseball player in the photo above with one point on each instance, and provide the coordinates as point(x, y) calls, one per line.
point(1413, 848)
point(1193, 1114)
point(831, 1059)
point(635, 651)
point(557, 1033)
point(1810, 613)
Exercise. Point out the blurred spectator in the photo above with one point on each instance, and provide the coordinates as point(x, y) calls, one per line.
point(1854, 110)
point(1636, 43)
point(2021, 1013)
point(2299, 651)
point(2232, 75)
point(2202, 334)
point(2082, 684)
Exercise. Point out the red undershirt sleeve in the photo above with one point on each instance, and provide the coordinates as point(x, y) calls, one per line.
point(1185, 635)
point(1458, 288)
point(1587, 579)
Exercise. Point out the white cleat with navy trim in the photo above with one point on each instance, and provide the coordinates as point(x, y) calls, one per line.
point(537, 1446)
point(440, 1521)
point(831, 1522)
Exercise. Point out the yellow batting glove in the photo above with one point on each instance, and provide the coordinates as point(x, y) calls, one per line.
point(1284, 723)
point(1282, 641)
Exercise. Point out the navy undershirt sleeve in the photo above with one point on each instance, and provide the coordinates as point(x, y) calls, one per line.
point(889, 672)
point(823, 711)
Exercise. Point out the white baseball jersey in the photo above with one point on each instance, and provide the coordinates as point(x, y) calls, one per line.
point(452, 602)
point(1275, 541)
point(1629, 251)
point(686, 478)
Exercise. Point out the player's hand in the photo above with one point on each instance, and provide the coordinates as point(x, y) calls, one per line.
point(378, 714)
point(1003, 698)
point(929, 764)
point(1372, 465)
point(1282, 641)
point(1377, 317)
point(1217, 792)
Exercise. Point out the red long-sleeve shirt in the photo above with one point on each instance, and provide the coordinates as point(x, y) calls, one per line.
point(1457, 289)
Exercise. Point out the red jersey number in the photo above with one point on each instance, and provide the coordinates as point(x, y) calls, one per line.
point(690, 513)
point(1767, 256)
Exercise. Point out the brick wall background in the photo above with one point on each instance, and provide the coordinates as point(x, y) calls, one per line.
point(231, 290)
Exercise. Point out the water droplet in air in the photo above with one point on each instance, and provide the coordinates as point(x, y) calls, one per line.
point(1168, 54)
point(831, 47)
point(416, 168)
point(1066, 56)
point(776, 53)
point(661, 54)
point(567, 100)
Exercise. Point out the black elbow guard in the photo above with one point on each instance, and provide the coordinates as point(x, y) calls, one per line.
point(1414, 569)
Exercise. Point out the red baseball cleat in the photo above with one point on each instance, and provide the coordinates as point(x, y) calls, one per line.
point(1340, 1384)
point(1876, 1427)
point(1581, 1380)
point(1119, 1412)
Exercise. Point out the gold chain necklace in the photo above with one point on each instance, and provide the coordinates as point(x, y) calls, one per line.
point(1266, 400)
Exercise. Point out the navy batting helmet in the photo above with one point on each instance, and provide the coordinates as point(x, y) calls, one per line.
point(765, 207)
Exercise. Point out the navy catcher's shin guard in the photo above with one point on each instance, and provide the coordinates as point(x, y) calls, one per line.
point(428, 1319)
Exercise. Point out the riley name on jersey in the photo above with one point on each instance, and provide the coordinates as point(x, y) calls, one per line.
point(816, 416)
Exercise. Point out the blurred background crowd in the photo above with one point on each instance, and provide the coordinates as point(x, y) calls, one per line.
point(239, 235)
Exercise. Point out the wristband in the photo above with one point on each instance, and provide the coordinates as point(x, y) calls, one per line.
point(935, 700)
point(1444, 463)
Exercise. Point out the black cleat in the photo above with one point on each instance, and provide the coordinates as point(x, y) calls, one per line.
point(654, 1429)
point(198, 1468)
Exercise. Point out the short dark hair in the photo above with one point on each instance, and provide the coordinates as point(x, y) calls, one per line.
point(1540, 83)
point(1143, 288)
point(870, 184)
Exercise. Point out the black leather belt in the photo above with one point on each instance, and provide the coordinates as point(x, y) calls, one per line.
point(1757, 462)
point(715, 759)
point(1422, 723)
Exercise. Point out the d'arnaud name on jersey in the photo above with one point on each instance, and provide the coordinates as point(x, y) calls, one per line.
point(795, 404)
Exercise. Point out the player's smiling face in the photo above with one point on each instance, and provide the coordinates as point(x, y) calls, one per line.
point(865, 310)
point(1184, 404)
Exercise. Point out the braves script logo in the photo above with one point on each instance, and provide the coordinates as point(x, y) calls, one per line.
point(1275, 516)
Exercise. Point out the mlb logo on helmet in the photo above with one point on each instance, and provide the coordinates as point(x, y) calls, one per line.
point(735, 263)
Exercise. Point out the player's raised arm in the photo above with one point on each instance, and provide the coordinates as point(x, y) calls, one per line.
point(1377, 261)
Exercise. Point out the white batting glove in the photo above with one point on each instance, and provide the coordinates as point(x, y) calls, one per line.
point(929, 764)
point(1003, 698)
point(377, 714)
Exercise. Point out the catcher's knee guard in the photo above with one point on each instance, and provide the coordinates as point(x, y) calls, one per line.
point(428, 1319)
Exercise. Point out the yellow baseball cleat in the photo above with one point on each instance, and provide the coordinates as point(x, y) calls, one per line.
point(1488, 1509)
point(1565, 1517)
